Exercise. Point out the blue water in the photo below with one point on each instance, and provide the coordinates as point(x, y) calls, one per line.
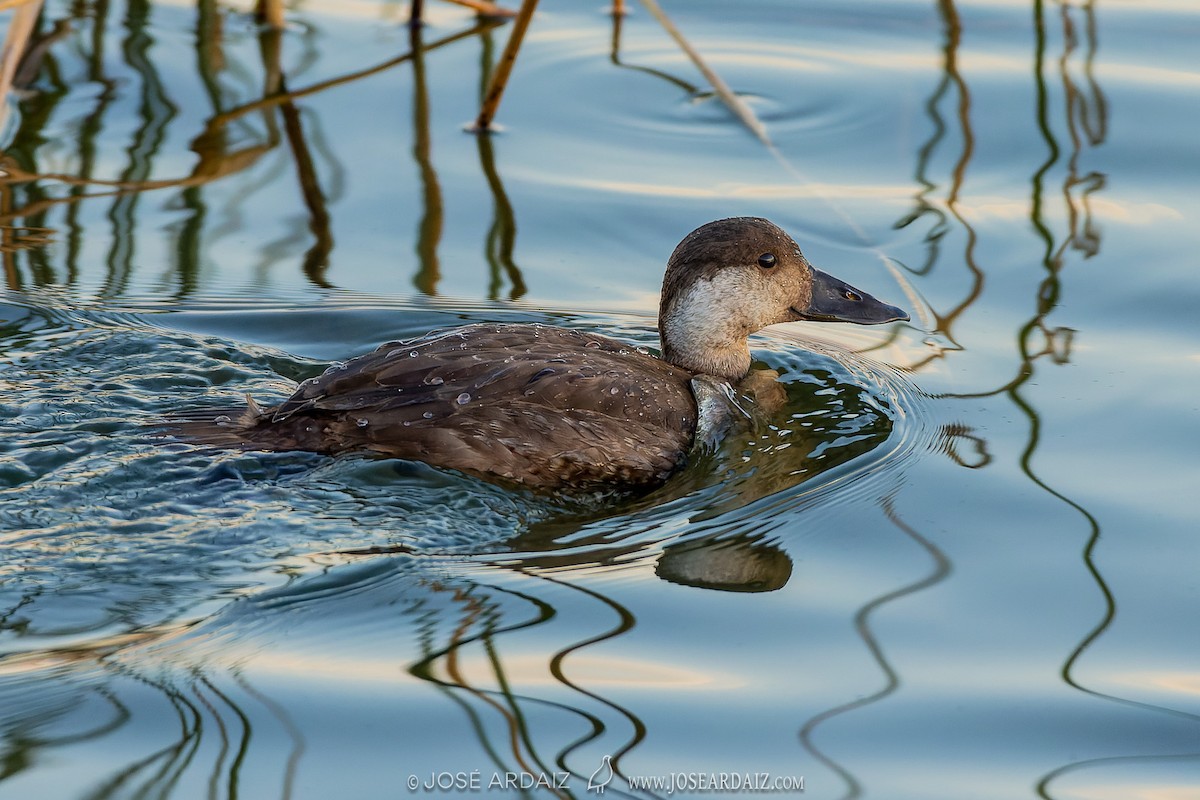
point(959, 563)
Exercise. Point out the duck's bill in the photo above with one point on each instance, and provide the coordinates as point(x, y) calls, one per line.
point(837, 301)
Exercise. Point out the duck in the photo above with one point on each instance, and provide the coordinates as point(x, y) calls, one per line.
point(552, 408)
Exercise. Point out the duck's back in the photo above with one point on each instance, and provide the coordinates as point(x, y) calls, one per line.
point(535, 404)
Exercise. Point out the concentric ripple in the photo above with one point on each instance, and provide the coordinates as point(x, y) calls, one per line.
point(116, 529)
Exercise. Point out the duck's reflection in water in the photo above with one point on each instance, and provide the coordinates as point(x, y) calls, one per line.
point(728, 565)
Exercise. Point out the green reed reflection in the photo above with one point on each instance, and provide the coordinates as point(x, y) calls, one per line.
point(862, 623)
point(951, 77)
point(483, 624)
point(500, 244)
point(32, 195)
point(1086, 110)
point(29, 195)
point(1085, 117)
point(430, 227)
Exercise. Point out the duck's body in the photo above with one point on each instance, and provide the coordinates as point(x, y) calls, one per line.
point(534, 404)
point(550, 407)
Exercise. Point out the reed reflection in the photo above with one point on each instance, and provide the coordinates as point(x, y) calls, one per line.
point(91, 694)
point(500, 241)
point(35, 197)
point(939, 571)
point(27, 732)
point(940, 225)
point(1084, 112)
point(465, 658)
point(225, 724)
point(316, 258)
point(491, 695)
point(500, 244)
point(618, 21)
point(429, 230)
point(34, 202)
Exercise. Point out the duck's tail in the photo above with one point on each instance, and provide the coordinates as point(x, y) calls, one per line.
point(218, 426)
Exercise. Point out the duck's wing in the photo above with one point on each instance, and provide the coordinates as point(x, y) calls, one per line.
point(535, 404)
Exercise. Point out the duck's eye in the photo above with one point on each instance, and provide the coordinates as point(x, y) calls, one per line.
point(851, 296)
point(766, 260)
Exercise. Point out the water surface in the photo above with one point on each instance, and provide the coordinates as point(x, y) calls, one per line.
point(959, 563)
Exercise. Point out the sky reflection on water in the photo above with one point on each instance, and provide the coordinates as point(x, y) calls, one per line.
point(962, 566)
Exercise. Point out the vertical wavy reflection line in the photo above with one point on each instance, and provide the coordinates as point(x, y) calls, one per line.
point(429, 230)
point(520, 742)
point(316, 257)
point(483, 617)
point(626, 622)
point(280, 713)
point(174, 757)
point(862, 623)
point(1077, 116)
point(90, 130)
point(214, 776)
point(1057, 340)
point(951, 76)
point(510, 710)
point(189, 239)
point(155, 112)
point(500, 243)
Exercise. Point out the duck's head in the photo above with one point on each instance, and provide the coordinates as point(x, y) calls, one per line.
point(732, 277)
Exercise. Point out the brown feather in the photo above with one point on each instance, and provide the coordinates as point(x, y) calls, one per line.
point(532, 404)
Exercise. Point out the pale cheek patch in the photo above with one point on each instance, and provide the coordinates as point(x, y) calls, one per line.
point(716, 308)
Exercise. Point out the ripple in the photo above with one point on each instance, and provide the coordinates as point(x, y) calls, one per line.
point(117, 531)
point(852, 427)
point(656, 90)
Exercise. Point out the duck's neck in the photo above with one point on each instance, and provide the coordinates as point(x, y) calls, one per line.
point(698, 334)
